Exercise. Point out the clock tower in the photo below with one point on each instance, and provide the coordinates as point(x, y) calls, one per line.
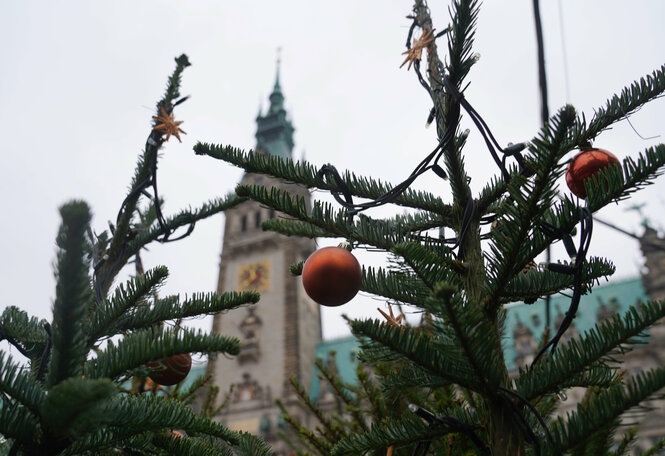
point(279, 334)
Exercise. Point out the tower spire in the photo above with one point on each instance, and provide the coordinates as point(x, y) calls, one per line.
point(274, 133)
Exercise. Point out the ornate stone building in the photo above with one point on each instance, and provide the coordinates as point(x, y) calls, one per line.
point(280, 333)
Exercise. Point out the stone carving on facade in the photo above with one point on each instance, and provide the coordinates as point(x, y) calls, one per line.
point(250, 347)
point(248, 390)
point(525, 344)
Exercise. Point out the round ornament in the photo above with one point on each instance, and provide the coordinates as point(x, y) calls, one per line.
point(585, 165)
point(331, 276)
point(171, 370)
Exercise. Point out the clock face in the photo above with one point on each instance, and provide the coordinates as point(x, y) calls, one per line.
point(254, 276)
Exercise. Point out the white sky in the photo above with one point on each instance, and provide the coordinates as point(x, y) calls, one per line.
point(79, 79)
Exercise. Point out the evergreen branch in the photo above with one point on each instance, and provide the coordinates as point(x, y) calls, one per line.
point(528, 202)
point(305, 174)
point(430, 267)
point(640, 92)
point(305, 436)
point(618, 107)
point(187, 446)
point(145, 346)
point(19, 385)
point(654, 449)
point(330, 431)
point(618, 182)
point(130, 416)
point(407, 430)
point(289, 227)
point(170, 308)
point(412, 376)
point(135, 290)
point(16, 422)
point(398, 286)
point(366, 230)
point(250, 445)
point(117, 252)
point(27, 334)
point(467, 322)
point(181, 219)
point(533, 284)
point(72, 295)
point(74, 406)
point(604, 407)
point(627, 440)
point(579, 356)
point(437, 356)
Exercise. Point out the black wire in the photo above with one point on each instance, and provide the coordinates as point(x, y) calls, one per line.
point(45, 354)
point(451, 423)
point(586, 229)
point(533, 409)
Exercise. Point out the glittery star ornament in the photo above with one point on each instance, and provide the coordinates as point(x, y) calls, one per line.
point(416, 51)
point(167, 124)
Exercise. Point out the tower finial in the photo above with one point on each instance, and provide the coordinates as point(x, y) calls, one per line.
point(278, 63)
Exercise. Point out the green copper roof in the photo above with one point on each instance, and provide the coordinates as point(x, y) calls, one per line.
point(345, 351)
point(274, 132)
point(611, 298)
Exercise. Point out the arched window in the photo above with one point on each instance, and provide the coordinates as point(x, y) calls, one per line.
point(243, 223)
point(257, 220)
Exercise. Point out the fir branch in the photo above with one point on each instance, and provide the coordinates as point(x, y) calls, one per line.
point(170, 308)
point(72, 295)
point(534, 284)
point(408, 430)
point(617, 183)
point(366, 230)
point(639, 93)
point(620, 106)
point(116, 255)
point(186, 446)
point(18, 423)
point(577, 358)
point(181, 219)
point(130, 416)
point(144, 346)
point(604, 407)
point(305, 436)
point(437, 356)
point(250, 445)
point(19, 385)
point(626, 442)
point(412, 376)
point(74, 406)
point(330, 431)
point(26, 333)
point(289, 227)
point(654, 449)
point(305, 174)
point(126, 297)
point(528, 201)
point(398, 286)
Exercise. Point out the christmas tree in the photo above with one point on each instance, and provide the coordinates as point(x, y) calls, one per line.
point(73, 394)
point(452, 369)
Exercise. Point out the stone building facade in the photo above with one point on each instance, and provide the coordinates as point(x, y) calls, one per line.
point(279, 334)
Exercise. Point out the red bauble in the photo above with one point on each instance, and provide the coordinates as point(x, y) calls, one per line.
point(585, 165)
point(331, 276)
point(171, 370)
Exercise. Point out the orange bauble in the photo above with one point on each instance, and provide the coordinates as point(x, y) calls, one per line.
point(171, 370)
point(331, 276)
point(585, 165)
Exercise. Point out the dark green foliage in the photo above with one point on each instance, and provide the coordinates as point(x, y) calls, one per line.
point(72, 398)
point(452, 363)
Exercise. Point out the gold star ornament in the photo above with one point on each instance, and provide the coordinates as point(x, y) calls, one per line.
point(167, 124)
point(416, 51)
point(391, 319)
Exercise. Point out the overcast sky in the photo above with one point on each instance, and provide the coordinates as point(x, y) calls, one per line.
point(79, 79)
